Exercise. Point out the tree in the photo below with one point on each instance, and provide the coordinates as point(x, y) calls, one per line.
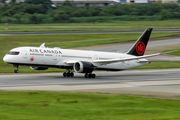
point(37, 18)
point(18, 17)
point(60, 16)
point(68, 3)
point(33, 19)
point(31, 9)
point(3, 1)
point(13, 2)
point(165, 14)
point(45, 3)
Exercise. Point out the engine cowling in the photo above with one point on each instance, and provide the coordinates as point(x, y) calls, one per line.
point(83, 67)
point(38, 68)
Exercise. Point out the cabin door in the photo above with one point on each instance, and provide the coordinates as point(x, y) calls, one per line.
point(24, 52)
point(55, 56)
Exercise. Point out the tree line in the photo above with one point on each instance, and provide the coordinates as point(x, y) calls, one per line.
point(33, 12)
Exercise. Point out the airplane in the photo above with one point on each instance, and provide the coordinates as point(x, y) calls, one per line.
point(81, 61)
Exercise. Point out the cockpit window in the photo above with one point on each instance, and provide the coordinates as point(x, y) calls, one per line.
point(13, 53)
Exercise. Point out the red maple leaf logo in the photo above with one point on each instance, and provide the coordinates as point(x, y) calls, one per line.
point(32, 59)
point(140, 48)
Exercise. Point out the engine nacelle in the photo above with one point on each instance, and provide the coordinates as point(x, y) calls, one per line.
point(83, 67)
point(38, 68)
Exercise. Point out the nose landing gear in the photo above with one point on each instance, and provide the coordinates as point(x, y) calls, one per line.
point(16, 70)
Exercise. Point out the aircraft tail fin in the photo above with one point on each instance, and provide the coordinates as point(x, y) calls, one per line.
point(139, 47)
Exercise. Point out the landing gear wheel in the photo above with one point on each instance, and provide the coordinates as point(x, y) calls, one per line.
point(16, 66)
point(68, 74)
point(93, 75)
point(16, 71)
point(72, 74)
point(86, 75)
point(65, 74)
point(89, 75)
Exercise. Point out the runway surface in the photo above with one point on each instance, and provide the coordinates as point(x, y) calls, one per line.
point(164, 83)
point(84, 32)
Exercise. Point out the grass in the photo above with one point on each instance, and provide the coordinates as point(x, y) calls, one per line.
point(177, 52)
point(113, 25)
point(77, 106)
point(161, 65)
point(63, 41)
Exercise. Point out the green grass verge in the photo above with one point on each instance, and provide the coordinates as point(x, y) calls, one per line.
point(177, 52)
point(160, 65)
point(113, 25)
point(63, 41)
point(77, 106)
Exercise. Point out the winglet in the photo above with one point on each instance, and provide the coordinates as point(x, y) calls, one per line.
point(139, 47)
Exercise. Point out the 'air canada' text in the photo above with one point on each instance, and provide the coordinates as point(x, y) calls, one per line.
point(45, 51)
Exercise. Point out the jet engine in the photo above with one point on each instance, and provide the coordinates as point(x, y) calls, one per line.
point(38, 68)
point(83, 67)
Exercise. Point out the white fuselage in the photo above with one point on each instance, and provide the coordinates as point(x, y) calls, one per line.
point(56, 57)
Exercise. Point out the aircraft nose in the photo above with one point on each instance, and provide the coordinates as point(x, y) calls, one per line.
point(5, 59)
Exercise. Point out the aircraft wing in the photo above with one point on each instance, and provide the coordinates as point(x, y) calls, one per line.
point(131, 58)
point(140, 58)
point(125, 59)
point(112, 60)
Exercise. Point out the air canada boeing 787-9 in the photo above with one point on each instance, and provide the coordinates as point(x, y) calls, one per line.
point(81, 61)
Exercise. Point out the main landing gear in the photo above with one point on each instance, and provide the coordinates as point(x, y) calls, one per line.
point(89, 75)
point(68, 74)
point(71, 74)
point(16, 70)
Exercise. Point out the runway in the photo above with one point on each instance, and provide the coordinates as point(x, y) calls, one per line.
point(151, 44)
point(159, 82)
